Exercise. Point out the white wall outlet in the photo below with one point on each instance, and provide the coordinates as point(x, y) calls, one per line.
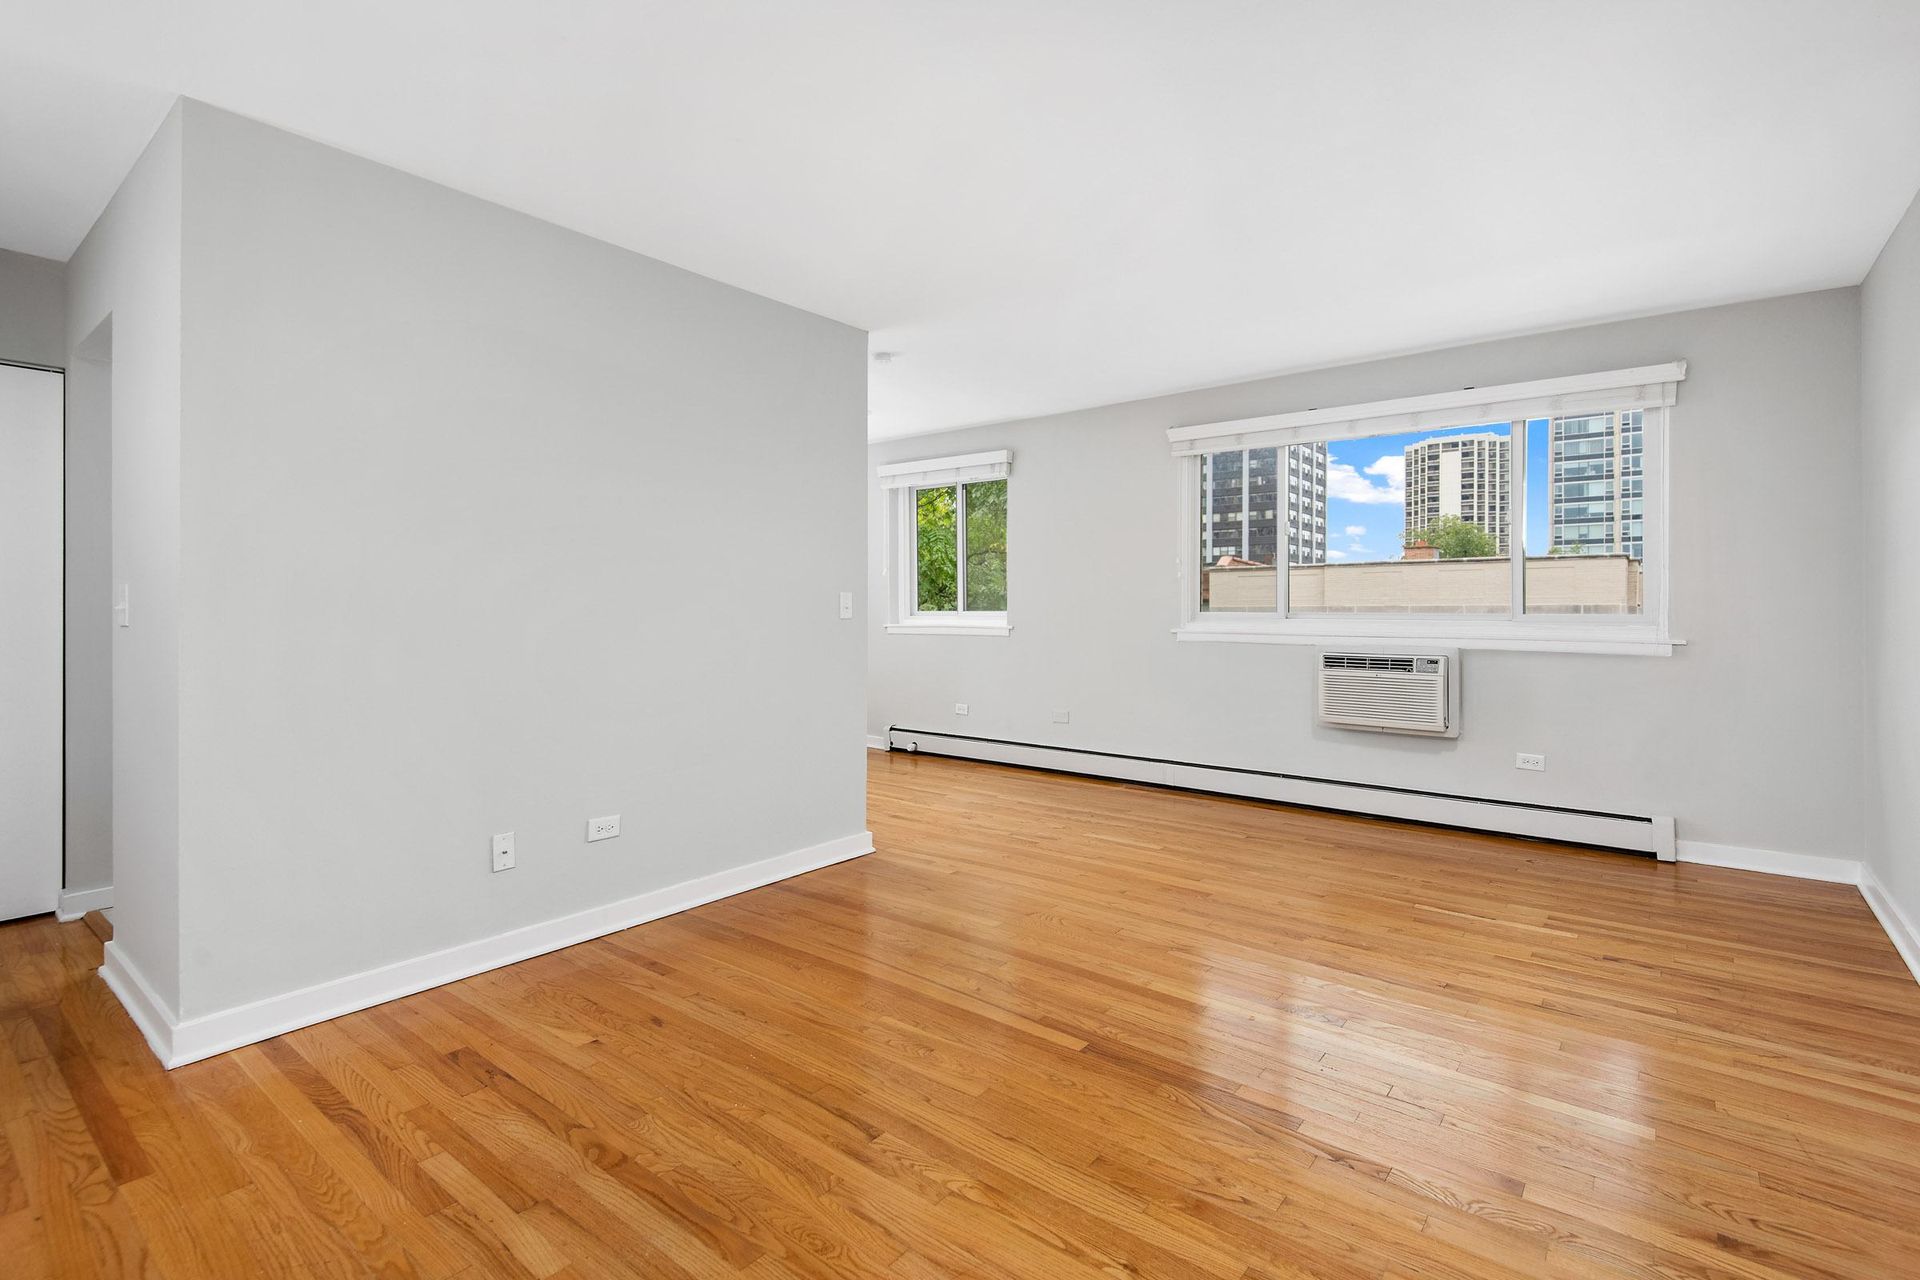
point(1530, 760)
point(959, 708)
point(603, 828)
point(846, 604)
point(1063, 717)
point(503, 851)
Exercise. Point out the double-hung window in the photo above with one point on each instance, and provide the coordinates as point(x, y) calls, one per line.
point(1522, 516)
point(947, 544)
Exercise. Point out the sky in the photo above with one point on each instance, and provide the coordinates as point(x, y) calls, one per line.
point(1366, 489)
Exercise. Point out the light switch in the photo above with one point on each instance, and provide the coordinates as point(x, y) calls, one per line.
point(846, 604)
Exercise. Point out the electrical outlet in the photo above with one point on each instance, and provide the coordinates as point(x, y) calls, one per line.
point(1530, 760)
point(603, 828)
point(846, 605)
point(1063, 717)
point(959, 708)
point(503, 851)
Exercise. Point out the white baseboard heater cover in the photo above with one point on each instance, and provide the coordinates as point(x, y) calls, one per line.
point(1650, 834)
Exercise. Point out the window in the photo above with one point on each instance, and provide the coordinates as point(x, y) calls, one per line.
point(947, 545)
point(960, 548)
point(1520, 516)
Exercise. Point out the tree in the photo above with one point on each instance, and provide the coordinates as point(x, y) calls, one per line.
point(938, 538)
point(1456, 539)
point(938, 546)
point(987, 545)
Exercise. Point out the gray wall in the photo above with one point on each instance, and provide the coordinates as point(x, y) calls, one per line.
point(89, 628)
point(1890, 413)
point(33, 310)
point(124, 281)
point(487, 526)
point(1748, 735)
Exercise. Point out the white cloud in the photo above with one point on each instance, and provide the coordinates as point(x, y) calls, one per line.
point(1392, 468)
point(1356, 531)
point(1334, 553)
point(1347, 485)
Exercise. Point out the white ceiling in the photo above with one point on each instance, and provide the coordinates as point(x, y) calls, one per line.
point(1048, 204)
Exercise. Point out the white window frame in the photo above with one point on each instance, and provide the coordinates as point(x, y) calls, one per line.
point(1651, 389)
point(901, 481)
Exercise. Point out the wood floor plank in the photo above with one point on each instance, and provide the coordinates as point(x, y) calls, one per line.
point(1053, 1027)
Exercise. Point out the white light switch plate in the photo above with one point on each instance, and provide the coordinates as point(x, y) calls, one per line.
point(846, 604)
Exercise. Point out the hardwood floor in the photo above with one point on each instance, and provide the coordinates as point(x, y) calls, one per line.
point(1053, 1028)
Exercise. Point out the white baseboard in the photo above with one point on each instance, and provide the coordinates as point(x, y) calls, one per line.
point(176, 1042)
point(1774, 862)
point(74, 903)
point(143, 1004)
point(1906, 938)
point(875, 742)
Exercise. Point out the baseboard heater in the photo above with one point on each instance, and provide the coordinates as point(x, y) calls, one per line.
point(1623, 831)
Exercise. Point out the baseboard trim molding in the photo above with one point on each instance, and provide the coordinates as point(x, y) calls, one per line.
point(1773, 862)
point(1651, 834)
point(1906, 938)
point(875, 742)
point(177, 1042)
point(143, 1004)
point(75, 903)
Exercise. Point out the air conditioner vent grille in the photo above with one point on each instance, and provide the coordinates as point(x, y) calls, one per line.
point(1366, 661)
point(1388, 692)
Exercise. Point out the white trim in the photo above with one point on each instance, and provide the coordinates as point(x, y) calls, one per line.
point(178, 1042)
point(1645, 387)
point(143, 1004)
point(1773, 862)
point(1637, 643)
point(951, 624)
point(1652, 834)
point(876, 742)
point(1905, 938)
point(75, 903)
point(962, 468)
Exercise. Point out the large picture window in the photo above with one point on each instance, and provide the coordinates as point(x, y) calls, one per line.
point(947, 547)
point(1521, 516)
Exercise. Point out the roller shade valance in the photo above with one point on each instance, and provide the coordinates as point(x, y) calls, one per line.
point(959, 469)
point(1645, 387)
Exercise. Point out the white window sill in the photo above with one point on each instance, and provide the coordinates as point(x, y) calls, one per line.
point(1636, 641)
point(993, 624)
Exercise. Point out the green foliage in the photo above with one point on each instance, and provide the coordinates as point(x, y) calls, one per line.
point(1456, 539)
point(937, 521)
point(987, 546)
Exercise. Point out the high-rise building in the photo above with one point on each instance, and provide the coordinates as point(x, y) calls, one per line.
point(1598, 494)
point(1249, 495)
point(1465, 476)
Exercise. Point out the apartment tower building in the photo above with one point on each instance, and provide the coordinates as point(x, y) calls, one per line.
point(1466, 476)
point(1249, 496)
point(1598, 481)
